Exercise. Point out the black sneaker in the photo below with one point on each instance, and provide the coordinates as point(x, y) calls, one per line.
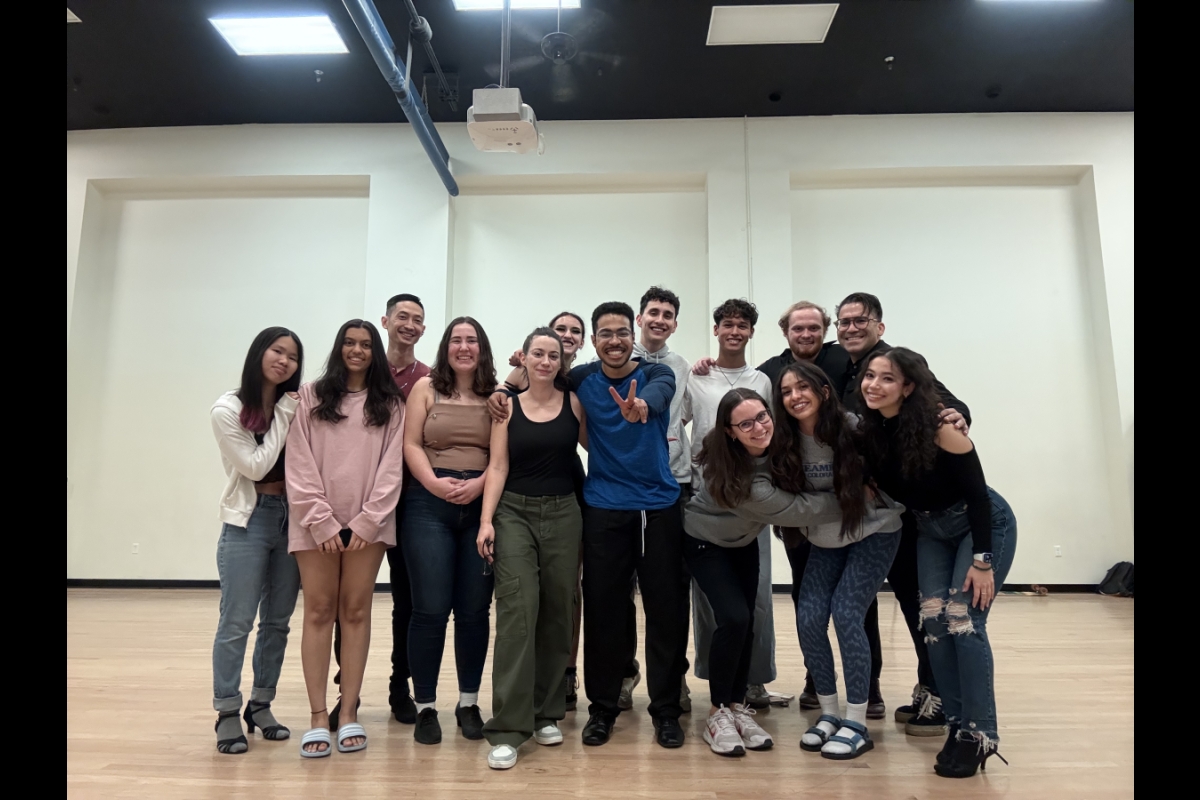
point(469, 720)
point(929, 721)
point(808, 698)
point(598, 729)
point(906, 712)
point(876, 709)
point(404, 709)
point(428, 730)
point(667, 732)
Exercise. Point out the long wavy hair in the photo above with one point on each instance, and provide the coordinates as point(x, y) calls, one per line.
point(726, 464)
point(832, 430)
point(914, 443)
point(441, 376)
point(253, 416)
point(382, 394)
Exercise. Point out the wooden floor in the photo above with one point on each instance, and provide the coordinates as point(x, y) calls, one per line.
point(139, 719)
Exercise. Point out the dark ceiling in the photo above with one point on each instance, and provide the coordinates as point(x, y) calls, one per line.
point(140, 63)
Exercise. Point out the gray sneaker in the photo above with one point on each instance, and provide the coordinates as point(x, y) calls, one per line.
point(685, 696)
point(625, 701)
point(757, 696)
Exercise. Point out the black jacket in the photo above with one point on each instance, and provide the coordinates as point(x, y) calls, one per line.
point(852, 395)
point(833, 359)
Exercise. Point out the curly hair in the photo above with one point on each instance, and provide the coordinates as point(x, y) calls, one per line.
point(736, 307)
point(914, 443)
point(832, 430)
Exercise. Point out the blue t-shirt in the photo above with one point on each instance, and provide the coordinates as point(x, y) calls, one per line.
point(629, 465)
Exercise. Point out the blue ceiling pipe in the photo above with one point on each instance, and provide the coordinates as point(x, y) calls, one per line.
point(379, 42)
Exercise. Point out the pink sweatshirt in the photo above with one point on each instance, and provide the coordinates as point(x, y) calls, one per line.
point(342, 476)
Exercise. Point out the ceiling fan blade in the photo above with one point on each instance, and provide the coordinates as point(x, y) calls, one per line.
point(612, 59)
point(527, 62)
point(593, 24)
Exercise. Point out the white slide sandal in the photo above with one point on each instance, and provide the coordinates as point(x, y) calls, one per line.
point(316, 736)
point(349, 731)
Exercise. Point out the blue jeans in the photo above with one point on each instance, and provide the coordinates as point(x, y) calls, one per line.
point(447, 573)
point(258, 575)
point(956, 631)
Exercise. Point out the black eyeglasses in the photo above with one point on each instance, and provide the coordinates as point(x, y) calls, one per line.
point(855, 322)
point(747, 425)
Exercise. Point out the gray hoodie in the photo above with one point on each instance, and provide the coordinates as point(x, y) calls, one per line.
point(677, 439)
point(737, 527)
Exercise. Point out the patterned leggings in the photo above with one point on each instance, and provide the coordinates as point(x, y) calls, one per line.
point(842, 582)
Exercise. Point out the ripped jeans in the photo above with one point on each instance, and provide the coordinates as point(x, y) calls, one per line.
point(956, 631)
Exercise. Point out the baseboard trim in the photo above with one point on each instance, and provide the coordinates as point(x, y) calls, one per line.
point(777, 588)
point(1030, 588)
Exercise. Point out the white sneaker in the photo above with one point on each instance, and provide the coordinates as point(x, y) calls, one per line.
point(548, 735)
point(502, 756)
point(753, 735)
point(625, 700)
point(721, 734)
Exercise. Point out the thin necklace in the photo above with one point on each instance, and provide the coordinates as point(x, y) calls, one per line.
point(740, 373)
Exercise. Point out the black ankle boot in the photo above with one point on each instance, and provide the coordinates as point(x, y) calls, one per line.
point(967, 756)
point(943, 757)
point(808, 698)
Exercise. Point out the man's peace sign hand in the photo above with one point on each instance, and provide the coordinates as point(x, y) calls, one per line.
point(633, 409)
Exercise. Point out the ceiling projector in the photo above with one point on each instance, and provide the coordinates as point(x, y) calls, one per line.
point(498, 122)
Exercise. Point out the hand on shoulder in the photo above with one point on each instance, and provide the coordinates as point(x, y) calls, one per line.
point(952, 440)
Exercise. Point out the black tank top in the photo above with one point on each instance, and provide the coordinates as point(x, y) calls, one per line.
point(541, 455)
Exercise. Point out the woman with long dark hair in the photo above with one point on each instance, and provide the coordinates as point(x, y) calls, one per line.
point(530, 530)
point(814, 451)
point(722, 521)
point(446, 443)
point(966, 541)
point(258, 575)
point(345, 456)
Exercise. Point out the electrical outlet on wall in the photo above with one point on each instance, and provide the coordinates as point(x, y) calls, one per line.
point(1057, 551)
point(135, 548)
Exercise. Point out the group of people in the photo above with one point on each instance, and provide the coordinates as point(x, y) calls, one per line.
point(851, 450)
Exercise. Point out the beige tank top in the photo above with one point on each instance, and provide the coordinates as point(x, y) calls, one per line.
point(457, 436)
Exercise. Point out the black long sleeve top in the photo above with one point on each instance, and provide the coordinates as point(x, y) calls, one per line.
point(953, 479)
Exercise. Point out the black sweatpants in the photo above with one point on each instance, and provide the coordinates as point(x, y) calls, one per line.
point(903, 580)
point(728, 576)
point(617, 545)
point(798, 558)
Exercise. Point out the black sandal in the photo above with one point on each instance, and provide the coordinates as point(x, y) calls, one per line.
point(274, 732)
point(337, 710)
point(230, 746)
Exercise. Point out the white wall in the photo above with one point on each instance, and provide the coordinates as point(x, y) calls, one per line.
point(775, 210)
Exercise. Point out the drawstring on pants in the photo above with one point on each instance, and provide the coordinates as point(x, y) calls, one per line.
point(643, 533)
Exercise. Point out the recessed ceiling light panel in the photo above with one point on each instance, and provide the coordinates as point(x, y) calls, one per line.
point(280, 36)
point(515, 5)
point(789, 24)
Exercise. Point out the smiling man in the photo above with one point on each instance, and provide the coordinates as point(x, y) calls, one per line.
point(733, 325)
point(805, 326)
point(632, 526)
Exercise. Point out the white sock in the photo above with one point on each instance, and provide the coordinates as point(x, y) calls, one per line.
point(422, 706)
point(830, 706)
point(468, 699)
point(855, 712)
